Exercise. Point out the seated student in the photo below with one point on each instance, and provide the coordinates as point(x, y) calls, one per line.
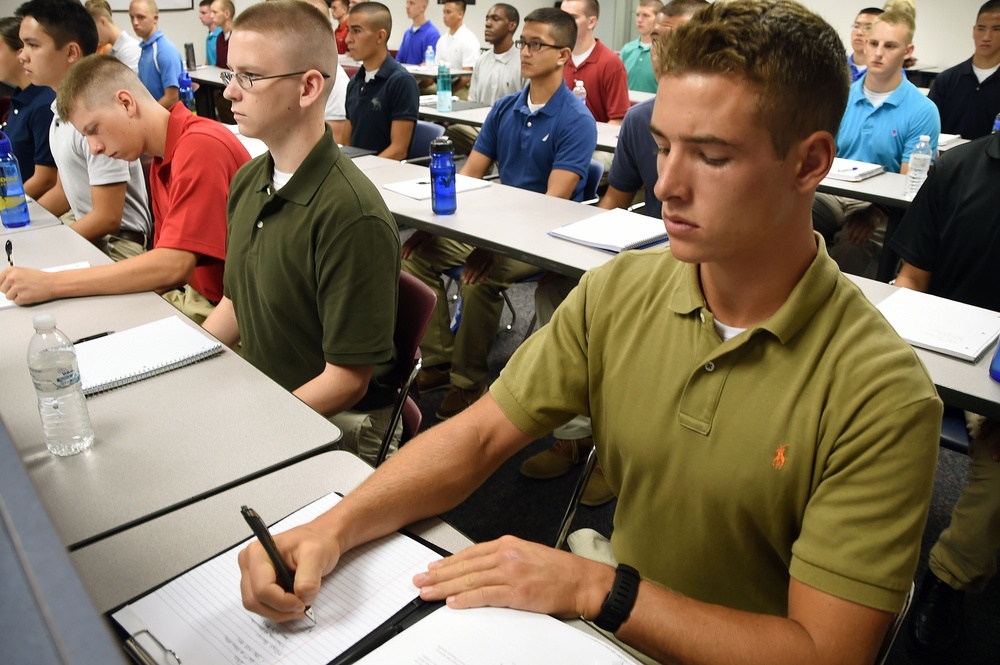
point(857, 59)
point(124, 47)
point(223, 12)
point(382, 97)
point(193, 161)
point(312, 269)
point(948, 243)
point(885, 117)
point(205, 16)
point(107, 197)
point(160, 63)
point(338, 10)
point(458, 46)
point(635, 54)
point(29, 115)
point(602, 72)
point(541, 139)
point(633, 169)
point(418, 37)
point(773, 466)
point(968, 94)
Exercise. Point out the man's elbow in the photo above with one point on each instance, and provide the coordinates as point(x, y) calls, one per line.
point(394, 151)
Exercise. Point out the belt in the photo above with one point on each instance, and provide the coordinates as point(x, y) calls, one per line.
point(132, 236)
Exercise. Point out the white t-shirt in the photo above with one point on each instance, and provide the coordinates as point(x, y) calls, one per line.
point(336, 103)
point(983, 74)
point(496, 75)
point(876, 98)
point(79, 170)
point(127, 50)
point(578, 59)
point(458, 50)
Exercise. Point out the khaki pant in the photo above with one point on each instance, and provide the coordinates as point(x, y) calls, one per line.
point(463, 136)
point(482, 305)
point(830, 215)
point(116, 248)
point(191, 303)
point(363, 432)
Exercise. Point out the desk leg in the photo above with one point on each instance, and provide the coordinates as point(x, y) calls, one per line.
point(204, 101)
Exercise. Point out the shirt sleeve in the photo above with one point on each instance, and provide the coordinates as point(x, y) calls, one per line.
point(102, 170)
point(38, 124)
point(927, 121)
point(470, 50)
point(170, 67)
point(615, 81)
point(575, 145)
point(486, 142)
point(337, 101)
point(918, 238)
point(405, 96)
point(624, 175)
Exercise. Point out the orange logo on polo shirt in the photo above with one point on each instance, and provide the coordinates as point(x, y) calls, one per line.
point(779, 457)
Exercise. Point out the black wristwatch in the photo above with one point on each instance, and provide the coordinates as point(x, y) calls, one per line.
point(621, 599)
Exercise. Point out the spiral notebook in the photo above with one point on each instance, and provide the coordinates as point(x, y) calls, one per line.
point(614, 231)
point(141, 352)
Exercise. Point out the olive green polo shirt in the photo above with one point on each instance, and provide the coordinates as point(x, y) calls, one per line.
point(313, 270)
point(804, 446)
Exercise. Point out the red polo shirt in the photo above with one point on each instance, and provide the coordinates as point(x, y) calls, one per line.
point(604, 76)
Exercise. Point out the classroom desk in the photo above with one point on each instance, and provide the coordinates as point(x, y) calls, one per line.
point(420, 71)
point(639, 96)
point(161, 443)
point(885, 188)
point(40, 218)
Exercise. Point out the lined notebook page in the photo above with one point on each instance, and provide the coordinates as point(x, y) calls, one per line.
point(941, 325)
point(615, 231)
point(141, 352)
point(200, 615)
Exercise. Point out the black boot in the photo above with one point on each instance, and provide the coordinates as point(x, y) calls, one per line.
point(936, 617)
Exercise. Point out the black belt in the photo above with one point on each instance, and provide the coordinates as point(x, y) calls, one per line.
point(131, 236)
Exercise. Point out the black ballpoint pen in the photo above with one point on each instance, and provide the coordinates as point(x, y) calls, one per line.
point(10, 250)
point(285, 578)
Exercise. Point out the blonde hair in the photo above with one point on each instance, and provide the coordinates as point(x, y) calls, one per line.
point(93, 82)
point(98, 9)
point(898, 18)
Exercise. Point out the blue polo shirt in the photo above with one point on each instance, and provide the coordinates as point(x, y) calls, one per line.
point(373, 105)
point(887, 135)
point(415, 43)
point(528, 146)
point(163, 72)
point(213, 35)
point(634, 166)
point(28, 128)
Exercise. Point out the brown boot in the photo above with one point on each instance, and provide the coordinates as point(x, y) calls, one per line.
point(597, 492)
point(458, 400)
point(557, 460)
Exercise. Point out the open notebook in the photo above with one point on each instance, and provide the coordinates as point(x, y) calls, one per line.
point(614, 231)
point(941, 325)
point(141, 352)
point(852, 170)
point(420, 188)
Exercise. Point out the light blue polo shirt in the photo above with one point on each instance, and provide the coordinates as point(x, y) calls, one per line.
point(887, 135)
point(165, 70)
point(528, 146)
point(213, 36)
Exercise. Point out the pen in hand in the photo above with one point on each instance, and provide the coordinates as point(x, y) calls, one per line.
point(285, 579)
point(10, 250)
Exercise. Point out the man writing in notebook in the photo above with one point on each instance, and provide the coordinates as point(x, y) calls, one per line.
point(773, 467)
point(194, 159)
point(312, 268)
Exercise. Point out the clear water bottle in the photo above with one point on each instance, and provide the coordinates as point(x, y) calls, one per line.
point(444, 87)
point(185, 92)
point(443, 198)
point(13, 206)
point(429, 56)
point(920, 164)
point(996, 124)
point(579, 90)
point(61, 404)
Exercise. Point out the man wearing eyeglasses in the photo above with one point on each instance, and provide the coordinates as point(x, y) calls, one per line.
point(541, 139)
point(382, 97)
point(857, 61)
point(312, 268)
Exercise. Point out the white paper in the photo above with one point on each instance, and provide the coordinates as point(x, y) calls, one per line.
point(494, 636)
point(615, 231)
point(941, 325)
point(5, 303)
point(852, 170)
point(200, 615)
point(420, 188)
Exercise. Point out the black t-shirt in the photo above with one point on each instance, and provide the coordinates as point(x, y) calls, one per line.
point(967, 107)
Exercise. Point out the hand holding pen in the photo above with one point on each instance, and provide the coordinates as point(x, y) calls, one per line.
point(284, 577)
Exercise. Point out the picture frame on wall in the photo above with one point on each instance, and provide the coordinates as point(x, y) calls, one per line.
point(163, 5)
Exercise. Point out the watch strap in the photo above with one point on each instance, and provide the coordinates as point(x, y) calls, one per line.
point(621, 599)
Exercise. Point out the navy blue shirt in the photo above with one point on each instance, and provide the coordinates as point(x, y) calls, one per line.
point(634, 166)
point(967, 106)
point(414, 46)
point(373, 105)
point(28, 128)
point(528, 146)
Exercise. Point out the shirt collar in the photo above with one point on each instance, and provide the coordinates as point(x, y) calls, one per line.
point(179, 117)
point(388, 66)
point(894, 99)
point(152, 38)
point(551, 107)
point(310, 175)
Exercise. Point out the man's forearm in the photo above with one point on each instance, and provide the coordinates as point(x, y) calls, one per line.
point(156, 270)
point(94, 226)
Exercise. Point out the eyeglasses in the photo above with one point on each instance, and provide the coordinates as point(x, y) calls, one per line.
point(534, 46)
point(246, 81)
point(864, 27)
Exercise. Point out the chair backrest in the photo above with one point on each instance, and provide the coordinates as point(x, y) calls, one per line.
point(413, 312)
point(423, 134)
point(593, 181)
point(411, 419)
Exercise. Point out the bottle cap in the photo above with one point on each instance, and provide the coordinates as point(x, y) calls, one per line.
point(184, 79)
point(925, 138)
point(44, 322)
point(4, 144)
point(442, 144)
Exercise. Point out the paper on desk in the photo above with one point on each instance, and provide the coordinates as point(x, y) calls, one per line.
point(200, 616)
point(941, 325)
point(420, 188)
point(494, 636)
point(4, 303)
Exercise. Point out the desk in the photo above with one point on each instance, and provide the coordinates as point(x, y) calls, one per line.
point(885, 188)
point(420, 71)
point(40, 218)
point(209, 82)
point(474, 117)
point(161, 443)
point(639, 96)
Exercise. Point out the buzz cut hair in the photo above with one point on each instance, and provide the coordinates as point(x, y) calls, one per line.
point(300, 31)
point(460, 3)
point(898, 18)
point(513, 16)
point(98, 9)
point(64, 21)
point(561, 25)
point(682, 7)
point(93, 81)
point(378, 15)
point(227, 6)
point(989, 7)
point(151, 5)
point(655, 4)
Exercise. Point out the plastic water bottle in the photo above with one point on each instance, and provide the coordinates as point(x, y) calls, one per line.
point(996, 124)
point(920, 164)
point(443, 198)
point(61, 404)
point(995, 365)
point(429, 56)
point(185, 92)
point(13, 206)
point(579, 90)
point(444, 87)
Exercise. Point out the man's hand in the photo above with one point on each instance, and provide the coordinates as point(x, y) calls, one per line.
point(26, 286)
point(415, 242)
point(479, 265)
point(511, 572)
point(862, 224)
point(308, 552)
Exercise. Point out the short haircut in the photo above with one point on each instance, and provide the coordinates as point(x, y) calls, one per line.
point(905, 6)
point(300, 31)
point(150, 4)
point(790, 56)
point(205, 3)
point(460, 3)
point(561, 25)
point(874, 11)
point(510, 11)
point(655, 4)
point(990, 6)
point(227, 6)
point(378, 16)
point(9, 32)
point(682, 7)
point(93, 81)
point(64, 21)
point(98, 9)
point(591, 9)
point(897, 18)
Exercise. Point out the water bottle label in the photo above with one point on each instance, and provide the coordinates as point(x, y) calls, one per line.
point(54, 379)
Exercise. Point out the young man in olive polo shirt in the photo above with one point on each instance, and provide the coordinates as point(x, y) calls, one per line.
point(312, 268)
point(772, 441)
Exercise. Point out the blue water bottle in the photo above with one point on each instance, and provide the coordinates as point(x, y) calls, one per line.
point(443, 199)
point(13, 206)
point(185, 92)
point(444, 87)
point(995, 365)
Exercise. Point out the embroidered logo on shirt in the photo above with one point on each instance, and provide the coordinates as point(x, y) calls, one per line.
point(895, 133)
point(376, 104)
point(545, 138)
point(779, 457)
